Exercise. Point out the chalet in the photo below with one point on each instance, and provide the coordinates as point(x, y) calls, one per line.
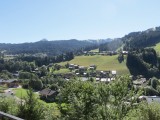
point(82, 69)
point(92, 74)
point(36, 69)
point(124, 52)
point(97, 79)
point(103, 79)
point(92, 67)
point(102, 74)
point(48, 94)
point(76, 66)
point(68, 75)
point(114, 73)
point(10, 83)
point(71, 66)
point(77, 74)
point(106, 79)
point(109, 52)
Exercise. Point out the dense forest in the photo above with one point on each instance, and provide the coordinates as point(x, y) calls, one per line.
point(142, 39)
point(143, 62)
point(49, 47)
point(134, 40)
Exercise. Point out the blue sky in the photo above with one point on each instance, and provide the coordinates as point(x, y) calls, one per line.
point(32, 20)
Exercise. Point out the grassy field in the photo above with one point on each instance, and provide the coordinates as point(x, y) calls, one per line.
point(157, 48)
point(95, 50)
point(62, 71)
point(102, 62)
point(2, 88)
point(22, 93)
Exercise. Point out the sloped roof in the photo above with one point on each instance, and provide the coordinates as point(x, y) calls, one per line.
point(47, 92)
point(7, 81)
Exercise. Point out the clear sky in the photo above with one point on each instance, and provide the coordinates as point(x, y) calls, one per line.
point(32, 20)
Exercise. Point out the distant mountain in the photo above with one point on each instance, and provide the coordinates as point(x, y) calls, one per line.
point(100, 41)
point(49, 47)
point(112, 45)
point(133, 40)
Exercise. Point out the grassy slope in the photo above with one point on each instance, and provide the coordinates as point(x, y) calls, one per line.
point(102, 62)
point(22, 93)
point(95, 50)
point(2, 88)
point(62, 71)
point(157, 48)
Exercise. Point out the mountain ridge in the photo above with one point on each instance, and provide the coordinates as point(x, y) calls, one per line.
point(49, 47)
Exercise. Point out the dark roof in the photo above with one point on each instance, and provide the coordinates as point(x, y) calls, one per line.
point(47, 92)
point(7, 81)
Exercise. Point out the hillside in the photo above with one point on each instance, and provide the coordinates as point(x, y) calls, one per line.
point(142, 39)
point(113, 45)
point(157, 47)
point(50, 47)
point(102, 62)
point(133, 40)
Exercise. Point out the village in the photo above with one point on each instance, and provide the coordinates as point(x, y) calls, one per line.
point(75, 71)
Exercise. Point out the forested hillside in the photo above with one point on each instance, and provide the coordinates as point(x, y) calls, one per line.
point(142, 39)
point(111, 46)
point(143, 62)
point(48, 47)
point(134, 40)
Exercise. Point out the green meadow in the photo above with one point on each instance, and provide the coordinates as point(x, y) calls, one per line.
point(157, 48)
point(102, 63)
point(95, 50)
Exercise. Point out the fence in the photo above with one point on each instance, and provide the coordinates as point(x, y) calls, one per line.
point(10, 117)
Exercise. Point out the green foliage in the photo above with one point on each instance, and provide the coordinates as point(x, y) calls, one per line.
point(89, 100)
point(8, 105)
point(27, 75)
point(150, 91)
point(154, 82)
point(5, 75)
point(2, 88)
point(141, 39)
point(111, 46)
point(30, 108)
point(143, 62)
point(36, 84)
point(120, 57)
point(54, 87)
point(20, 92)
point(122, 97)
point(144, 111)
